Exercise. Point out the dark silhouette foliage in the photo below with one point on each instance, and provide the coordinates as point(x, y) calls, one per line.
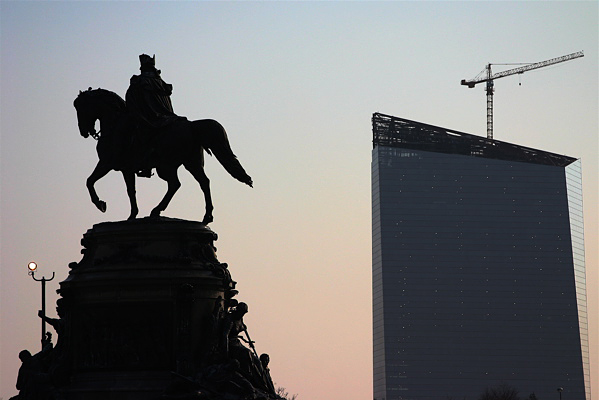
point(284, 394)
point(500, 392)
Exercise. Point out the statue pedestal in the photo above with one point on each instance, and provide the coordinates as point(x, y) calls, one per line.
point(140, 305)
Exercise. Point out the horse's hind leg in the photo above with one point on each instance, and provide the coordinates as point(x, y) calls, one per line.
point(170, 176)
point(130, 182)
point(99, 172)
point(197, 170)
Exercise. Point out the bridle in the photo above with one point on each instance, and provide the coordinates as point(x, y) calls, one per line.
point(95, 135)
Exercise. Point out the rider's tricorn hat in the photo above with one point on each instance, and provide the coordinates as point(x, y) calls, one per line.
point(146, 60)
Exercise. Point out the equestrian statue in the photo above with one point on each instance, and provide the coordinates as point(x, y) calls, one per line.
point(143, 133)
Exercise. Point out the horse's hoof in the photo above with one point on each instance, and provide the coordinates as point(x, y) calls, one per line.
point(207, 219)
point(133, 214)
point(155, 214)
point(101, 205)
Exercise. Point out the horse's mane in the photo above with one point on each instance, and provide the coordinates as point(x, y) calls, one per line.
point(106, 95)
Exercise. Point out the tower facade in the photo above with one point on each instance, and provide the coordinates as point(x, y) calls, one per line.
point(478, 266)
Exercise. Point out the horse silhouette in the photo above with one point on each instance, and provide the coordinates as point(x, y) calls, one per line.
point(121, 147)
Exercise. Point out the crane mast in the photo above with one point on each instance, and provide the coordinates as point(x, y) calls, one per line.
point(487, 76)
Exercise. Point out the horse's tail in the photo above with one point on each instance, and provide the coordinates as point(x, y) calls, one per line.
point(214, 139)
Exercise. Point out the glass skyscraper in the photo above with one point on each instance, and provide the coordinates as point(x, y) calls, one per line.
point(478, 266)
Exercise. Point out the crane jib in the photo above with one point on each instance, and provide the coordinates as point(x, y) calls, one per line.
point(520, 70)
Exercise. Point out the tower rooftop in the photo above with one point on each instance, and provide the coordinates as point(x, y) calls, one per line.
point(399, 132)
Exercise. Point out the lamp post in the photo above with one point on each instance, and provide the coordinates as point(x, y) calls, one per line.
point(560, 390)
point(32, 266)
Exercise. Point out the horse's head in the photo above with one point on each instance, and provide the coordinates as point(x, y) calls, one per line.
point(93, 105)
point(86, 113)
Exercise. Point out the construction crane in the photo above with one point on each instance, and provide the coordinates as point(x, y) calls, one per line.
point(487, 76)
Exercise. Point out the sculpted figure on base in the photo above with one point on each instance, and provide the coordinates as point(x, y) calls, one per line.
point(233, 371)
point(144, 133)
point(34, 381)
point(251, 367)
point(58, 357)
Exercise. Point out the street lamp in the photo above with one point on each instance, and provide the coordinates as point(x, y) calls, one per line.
point(32, 266)
point(560, 390)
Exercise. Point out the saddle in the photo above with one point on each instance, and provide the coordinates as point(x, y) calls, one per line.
point(144, 144)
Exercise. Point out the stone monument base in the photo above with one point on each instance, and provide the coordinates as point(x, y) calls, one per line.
point(147, 314)
point(118, 385)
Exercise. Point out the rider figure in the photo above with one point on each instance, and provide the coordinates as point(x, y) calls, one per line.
point(149, 105)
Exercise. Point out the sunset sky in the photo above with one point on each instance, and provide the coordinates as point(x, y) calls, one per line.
point(295, 84)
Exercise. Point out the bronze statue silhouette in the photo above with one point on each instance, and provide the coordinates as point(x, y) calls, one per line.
point(121, 148)
point(149, 105)
point(148, 97)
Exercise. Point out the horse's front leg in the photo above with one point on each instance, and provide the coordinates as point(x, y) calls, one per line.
point(130, 182)
point(169, 174)
point(99, 172)
point(197, 170)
